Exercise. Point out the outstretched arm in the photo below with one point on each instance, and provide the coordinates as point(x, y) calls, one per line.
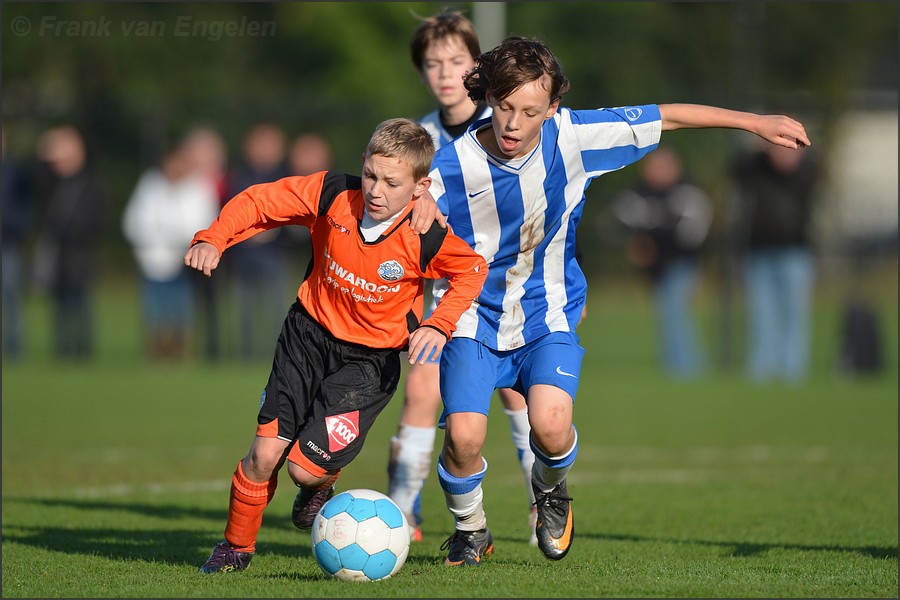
point(777, 129)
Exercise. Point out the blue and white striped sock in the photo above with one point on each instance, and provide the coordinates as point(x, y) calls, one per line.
point(464, 497)
point(548, 471)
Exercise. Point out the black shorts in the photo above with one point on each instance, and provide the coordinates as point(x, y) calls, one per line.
point(323, 394)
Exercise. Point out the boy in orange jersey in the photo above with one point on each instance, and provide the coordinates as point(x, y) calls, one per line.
point(337, 359)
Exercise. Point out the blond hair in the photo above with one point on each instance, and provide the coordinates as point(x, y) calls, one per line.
point(406, 140)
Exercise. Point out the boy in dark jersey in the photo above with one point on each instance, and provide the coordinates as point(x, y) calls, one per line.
point(337, 359)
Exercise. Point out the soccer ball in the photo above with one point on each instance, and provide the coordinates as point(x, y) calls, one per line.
point(360, 535)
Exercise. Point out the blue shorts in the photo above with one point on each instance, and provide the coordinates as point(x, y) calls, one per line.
point(470, 371)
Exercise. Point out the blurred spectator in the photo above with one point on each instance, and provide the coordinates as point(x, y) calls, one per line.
point(18, 221)
point(209, 154)
point(259, 265)
point(669, 219)
point(310, 153)
point(861, 349)
point(776, 190)
point(67, 248)
point(168, 206)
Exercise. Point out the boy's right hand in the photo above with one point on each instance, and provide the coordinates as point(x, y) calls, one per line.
point(424, 213)
point(425, 342)
point(202, 256)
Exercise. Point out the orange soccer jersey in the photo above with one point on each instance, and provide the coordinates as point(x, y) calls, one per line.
point(368, 293)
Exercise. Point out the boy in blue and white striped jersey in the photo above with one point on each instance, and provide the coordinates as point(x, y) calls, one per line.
point(443, 48)
point(513, 187)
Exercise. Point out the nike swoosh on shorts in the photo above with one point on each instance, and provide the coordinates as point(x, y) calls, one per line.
point(561, 372)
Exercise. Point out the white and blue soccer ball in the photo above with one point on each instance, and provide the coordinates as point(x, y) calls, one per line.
point(360, 535)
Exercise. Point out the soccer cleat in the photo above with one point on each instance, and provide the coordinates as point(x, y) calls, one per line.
point(415, 534)
point(555, 526)
point(415, 521)
point(532, 521)
point(468, 548)
point(417, 518)
point(309, 502)
point(224, 558)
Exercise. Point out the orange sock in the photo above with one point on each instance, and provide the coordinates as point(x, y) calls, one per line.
point(245, 509)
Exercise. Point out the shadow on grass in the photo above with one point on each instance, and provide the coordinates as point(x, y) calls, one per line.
point(182, 547)
point(191, 547)
point(742, 549)
point(163, 511)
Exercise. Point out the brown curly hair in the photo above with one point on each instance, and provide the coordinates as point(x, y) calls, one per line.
point(512, 64)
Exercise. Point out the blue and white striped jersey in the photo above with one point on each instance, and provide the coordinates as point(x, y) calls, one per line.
point(432, 124)
point(521, 215)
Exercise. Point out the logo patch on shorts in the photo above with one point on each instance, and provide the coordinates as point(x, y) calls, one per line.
point(342, 429)
point(390, 270)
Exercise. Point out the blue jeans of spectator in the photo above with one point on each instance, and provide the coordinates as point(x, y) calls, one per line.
point(168, 304)
point(779, 285)
point(679, 347)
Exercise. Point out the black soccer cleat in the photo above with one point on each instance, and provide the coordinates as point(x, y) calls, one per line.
point(555, 526)
point(308, 503)
point(468, 548)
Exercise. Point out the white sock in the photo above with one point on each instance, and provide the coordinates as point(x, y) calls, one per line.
point(546, 477)
point(521, 429)
point(410, 463)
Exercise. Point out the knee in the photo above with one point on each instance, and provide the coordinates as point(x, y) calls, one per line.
point(553, 440)
point(551, 424)
point(463, 441)
point(462, 448)
point(304, 478)
point(260, 464)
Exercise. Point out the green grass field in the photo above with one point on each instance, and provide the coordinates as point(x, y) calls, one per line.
point(116, 474)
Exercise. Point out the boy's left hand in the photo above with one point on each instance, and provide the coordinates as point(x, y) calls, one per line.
point(423, 342)
point(424, 213)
